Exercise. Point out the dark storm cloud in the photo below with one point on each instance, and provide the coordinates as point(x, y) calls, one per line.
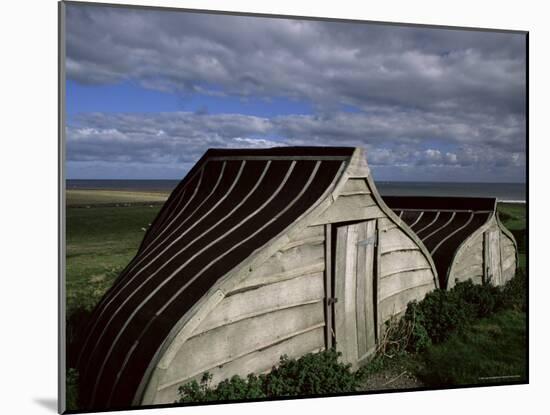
point(444, 99)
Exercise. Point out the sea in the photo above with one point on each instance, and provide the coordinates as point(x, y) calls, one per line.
point(505, 192)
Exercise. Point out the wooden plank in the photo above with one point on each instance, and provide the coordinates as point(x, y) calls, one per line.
point(187, 331)
point(243, 337)
point(306, 233)
point(394, 240)
point(361, 290)
point(486, 258)
point(357, 186)
point(329, 306)
point(386, 224)
point(509, 250)
point(315, 240)
point(268, 298)
point(377, 273)
point(509, 272)
point(259, 361)
point(350, 276)
point(397, 303)
point(259, 280)
point(293, 258)
point(496, 267)
point(396, 283)
point(339, 285)
point(350, 208)
point(505, 241)
point(369, 296)
point(508, 262)
point(469, 259)
point(465, 273)
point(402, 260)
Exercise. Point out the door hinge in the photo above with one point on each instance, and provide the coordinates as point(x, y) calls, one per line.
point(370, 240)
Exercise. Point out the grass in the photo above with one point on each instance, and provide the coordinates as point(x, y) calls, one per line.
point(513, 216)
point(491, 350)
point(100, 242)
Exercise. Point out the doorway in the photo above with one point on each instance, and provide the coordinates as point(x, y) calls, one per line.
point(352, 289)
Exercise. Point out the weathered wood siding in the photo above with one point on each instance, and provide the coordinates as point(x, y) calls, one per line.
point(278, 309)
point(405, 273)
point(492, 257)
point(354, 274)
point(355, 202)
point(509, 257)
point(468, 262)
point(488, 255)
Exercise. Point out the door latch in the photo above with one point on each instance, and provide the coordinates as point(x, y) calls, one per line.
point(370, 240)
point(332, 300)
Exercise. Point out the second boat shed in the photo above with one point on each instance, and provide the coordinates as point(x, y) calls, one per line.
point(464, 236)
point(256, 254)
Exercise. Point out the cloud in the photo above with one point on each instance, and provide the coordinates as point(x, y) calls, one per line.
point(326, 63)
point(177, 140)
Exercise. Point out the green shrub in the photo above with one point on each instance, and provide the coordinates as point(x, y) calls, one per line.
point(519, 235)
point(311, 374)
point(442, 313)
point(419, 337)
point(514, 293)
point(235, 388)
point(480, 300)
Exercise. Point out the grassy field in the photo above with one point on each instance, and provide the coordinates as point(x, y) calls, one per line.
point(489, 351)
point(100, 242)
point(513, 215)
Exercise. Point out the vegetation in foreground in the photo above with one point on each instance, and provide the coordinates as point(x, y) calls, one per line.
point(312, 374)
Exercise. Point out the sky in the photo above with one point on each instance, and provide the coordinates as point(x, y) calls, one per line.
point(149, 91)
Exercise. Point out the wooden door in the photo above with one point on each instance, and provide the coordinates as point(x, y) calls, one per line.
point(493, 257)
point(355, 290)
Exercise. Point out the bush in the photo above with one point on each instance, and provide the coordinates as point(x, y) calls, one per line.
point(442, 313)
point(235, 388)
point(311, 374)
point(480, 300)
point(514, 293)
point(419, 337)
